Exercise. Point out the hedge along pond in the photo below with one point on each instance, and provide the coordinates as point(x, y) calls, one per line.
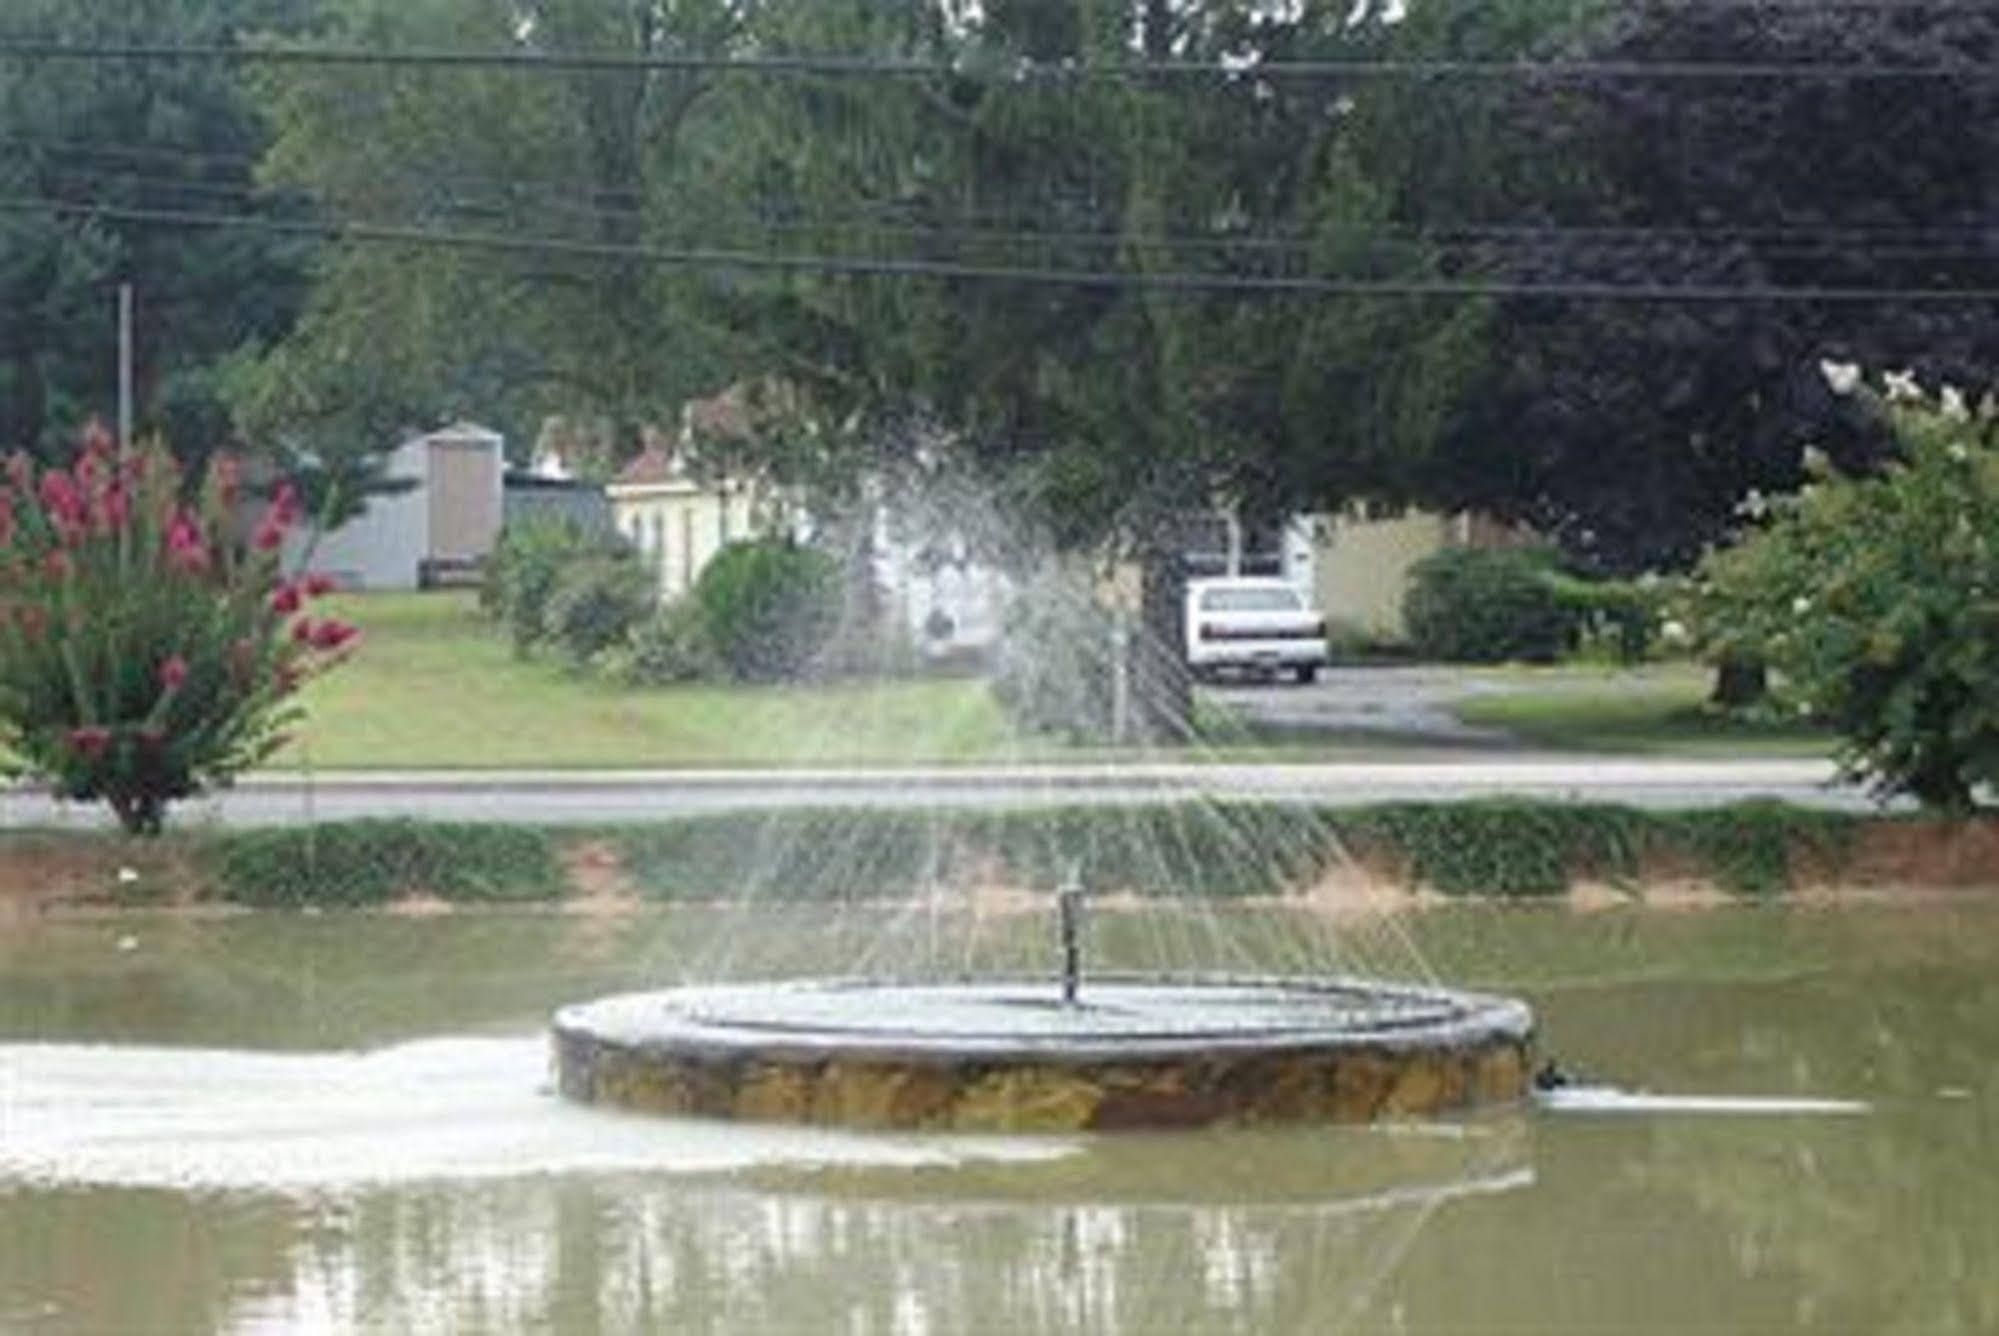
point(1229, 851)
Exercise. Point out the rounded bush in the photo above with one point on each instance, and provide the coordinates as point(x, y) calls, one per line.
point(769, 606)
point(672, 646)
point(529, 562)
point(1487, 605)
point(596, 603)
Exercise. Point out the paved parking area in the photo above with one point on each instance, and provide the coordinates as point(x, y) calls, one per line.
point(1414, 703)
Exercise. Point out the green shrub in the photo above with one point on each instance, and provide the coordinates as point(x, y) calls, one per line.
point(1487, 605)
point(672, 645)
point(357, 863)
point(769, 607)
point(1168, 850)
point(1171, 850)
point(597, 601)
point(144, 655)
point(1619, 619)
point(1747, 847)
point(528, 566)
point(1504, 847)
point(1877, 600)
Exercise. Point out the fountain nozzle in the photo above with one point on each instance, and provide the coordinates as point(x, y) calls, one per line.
point(1069, 914)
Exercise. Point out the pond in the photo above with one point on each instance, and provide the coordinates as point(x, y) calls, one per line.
point(283, 1123)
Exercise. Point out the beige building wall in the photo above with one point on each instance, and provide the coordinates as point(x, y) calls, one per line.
point(678, 527)
point(1361, 566)
point(464, 490)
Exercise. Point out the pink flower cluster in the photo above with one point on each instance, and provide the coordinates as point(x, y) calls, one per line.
point(282, 513)
point(187, 546)
point(327, 634)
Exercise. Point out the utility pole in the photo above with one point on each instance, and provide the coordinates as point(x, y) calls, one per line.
point(124, 370)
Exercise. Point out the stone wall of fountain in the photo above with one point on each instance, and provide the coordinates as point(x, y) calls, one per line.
point(1006, 1056)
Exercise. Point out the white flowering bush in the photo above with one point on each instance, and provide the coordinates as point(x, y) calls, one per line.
point(1877, 599)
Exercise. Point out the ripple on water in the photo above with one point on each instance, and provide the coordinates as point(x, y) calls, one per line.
point(442, 1109)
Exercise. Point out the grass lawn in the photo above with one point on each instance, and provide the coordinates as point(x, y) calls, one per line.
point(1659, 710)
point(435, 685)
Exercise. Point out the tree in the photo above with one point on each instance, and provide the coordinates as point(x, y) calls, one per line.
point(1107, 404)
point(147, 136)
point(397, 337)
point(1879, 599)
point(1114, 405)
point(1631, 432)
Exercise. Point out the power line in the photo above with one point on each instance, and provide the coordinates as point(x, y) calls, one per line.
point(862, 266)
point(1358, 67)
point(1780, 246)
point(977, 224)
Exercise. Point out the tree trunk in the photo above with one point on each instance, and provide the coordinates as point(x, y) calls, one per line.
point(1740, 680)
point(1162, 688)
point(141, 814)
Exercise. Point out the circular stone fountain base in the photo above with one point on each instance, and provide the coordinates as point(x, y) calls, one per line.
point(1010, 1056)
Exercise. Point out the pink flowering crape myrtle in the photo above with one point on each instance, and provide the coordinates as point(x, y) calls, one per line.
point(144, 656)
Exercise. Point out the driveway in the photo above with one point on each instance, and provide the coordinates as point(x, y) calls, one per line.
point(1413, 703)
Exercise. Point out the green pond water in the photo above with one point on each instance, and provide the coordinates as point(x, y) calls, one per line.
point(340, 1123)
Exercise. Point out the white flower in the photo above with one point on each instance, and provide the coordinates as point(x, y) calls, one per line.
point(1673, 632)
point(1901, 387)
point(1815, 461)
point(1953, 405)
point(1801, 605)
point(1957, 452)
point(1841, 377)
point(127, 875)
point(1754, 506)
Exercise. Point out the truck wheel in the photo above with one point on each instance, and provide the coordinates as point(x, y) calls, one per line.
point(1308, 673)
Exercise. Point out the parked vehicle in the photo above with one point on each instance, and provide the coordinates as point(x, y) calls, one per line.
point(1261, 625)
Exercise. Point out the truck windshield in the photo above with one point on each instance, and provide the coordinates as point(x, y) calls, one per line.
point(1249, 600)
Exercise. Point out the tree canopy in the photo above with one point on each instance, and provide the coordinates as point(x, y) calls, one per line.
point(1631, 431)
point(138, 136)
point(1026, 239)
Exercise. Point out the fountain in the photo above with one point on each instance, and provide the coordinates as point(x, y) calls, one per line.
point(1022, 1054)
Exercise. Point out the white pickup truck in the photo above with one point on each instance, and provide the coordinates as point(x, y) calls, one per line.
point(1261, 625)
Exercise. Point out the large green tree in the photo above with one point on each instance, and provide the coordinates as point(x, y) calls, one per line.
point(1633, 431)
point(133, 136)
point(591, 160)
point(1032, 254)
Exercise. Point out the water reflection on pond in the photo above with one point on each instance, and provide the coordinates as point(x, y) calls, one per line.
point(143, 1189)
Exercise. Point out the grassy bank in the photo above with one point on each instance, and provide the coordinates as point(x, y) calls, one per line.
point(1502, 849)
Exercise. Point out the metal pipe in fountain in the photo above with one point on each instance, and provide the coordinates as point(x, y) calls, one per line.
point(1069, 917)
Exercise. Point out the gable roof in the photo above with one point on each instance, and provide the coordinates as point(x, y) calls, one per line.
point(655, 464)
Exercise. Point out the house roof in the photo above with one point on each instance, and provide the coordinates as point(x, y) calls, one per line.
point(655, 464)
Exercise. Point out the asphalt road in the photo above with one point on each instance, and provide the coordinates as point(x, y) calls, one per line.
point(573, 798)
